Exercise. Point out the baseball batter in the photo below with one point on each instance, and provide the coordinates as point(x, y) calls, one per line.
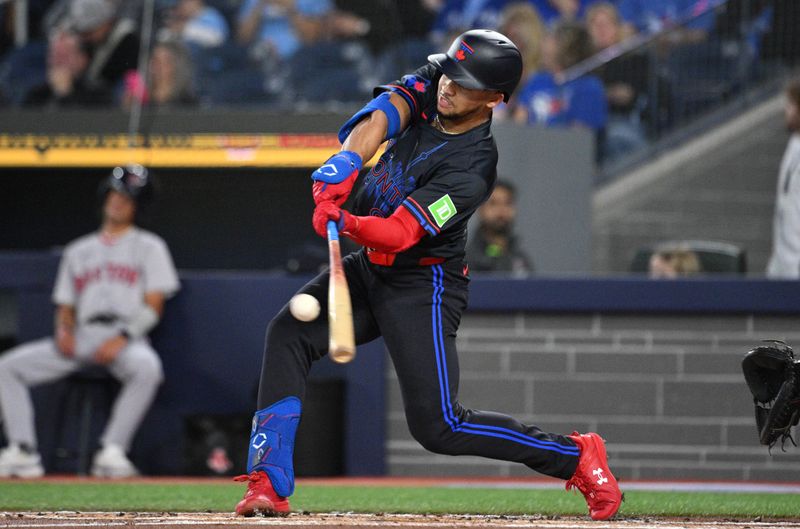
point(409, 282)
point(109, 293)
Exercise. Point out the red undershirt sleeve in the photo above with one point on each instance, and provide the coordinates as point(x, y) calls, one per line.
point(393, 234)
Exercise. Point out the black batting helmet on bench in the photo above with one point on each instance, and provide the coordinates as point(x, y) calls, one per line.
point(481, 59)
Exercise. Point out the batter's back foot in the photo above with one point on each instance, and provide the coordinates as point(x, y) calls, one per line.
point(593, 477)
point(260, 497)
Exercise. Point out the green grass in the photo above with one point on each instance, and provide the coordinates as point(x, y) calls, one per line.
point(221, 497)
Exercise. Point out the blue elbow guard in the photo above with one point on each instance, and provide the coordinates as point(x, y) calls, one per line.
point(272, 443)
point(381, 103)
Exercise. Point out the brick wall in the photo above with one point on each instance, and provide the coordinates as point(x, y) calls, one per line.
point(666, 391)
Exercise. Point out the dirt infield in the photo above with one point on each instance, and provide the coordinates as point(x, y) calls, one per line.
point(483, 482)
point(306, 520)
point(347, 520)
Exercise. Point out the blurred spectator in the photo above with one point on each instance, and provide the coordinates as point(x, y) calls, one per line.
point(783, 41)
point(647, 16)
point(553, 11)
point(552, 100)
point(6, 26)
point(414, 20)
point(56, 12)
point(416, 17)
point(35, 10)
point(367, 21)
point(67, 61)
point(276, 29)
point(170, 79)
point(493, 247)
point(669, 263)
point(457, 16)
point(197, 24)
point(741, 26)
point(521, 23)
point(625, 79)
point(784, 263)
point(112, 42)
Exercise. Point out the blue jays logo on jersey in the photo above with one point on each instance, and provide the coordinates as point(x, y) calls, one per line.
point(420, 84)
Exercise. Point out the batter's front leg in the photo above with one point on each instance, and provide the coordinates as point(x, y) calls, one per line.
point(291, 348)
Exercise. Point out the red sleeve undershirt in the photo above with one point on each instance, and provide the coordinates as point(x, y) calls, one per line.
point(393, 234)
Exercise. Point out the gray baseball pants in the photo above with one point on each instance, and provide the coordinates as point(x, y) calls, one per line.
point(137, 367)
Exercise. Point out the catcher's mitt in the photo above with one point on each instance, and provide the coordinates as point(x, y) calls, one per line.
point(773, 376)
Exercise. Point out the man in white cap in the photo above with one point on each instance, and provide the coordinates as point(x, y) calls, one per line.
point(112, 40)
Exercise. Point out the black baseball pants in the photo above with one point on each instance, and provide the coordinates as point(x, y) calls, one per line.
point(417, 311)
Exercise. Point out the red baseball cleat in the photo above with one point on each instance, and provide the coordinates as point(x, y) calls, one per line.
point(593, 477)
point(260, 498)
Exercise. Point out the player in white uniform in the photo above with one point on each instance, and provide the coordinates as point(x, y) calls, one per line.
point(109, 293)
point(784, 263)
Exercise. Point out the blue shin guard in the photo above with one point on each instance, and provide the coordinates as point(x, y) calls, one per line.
point(272, 443)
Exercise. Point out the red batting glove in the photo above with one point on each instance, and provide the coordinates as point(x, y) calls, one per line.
point(334, 180)
point(325, 211)
point(336, 193)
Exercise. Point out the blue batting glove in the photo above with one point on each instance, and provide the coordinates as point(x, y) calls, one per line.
point(338, 168)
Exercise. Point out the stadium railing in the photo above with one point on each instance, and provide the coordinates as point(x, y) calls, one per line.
point(742, 55)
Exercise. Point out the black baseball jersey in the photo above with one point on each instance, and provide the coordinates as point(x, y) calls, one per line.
point(440, 178)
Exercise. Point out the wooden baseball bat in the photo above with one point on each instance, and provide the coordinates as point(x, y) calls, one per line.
point(342, 346)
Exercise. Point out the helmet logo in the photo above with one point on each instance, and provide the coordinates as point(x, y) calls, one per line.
point(463, 50)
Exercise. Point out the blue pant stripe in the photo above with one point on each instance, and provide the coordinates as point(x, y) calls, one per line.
point(440, 346)
point(444, 386)
point(435, 315)
point(565, 450)
point(522, 438)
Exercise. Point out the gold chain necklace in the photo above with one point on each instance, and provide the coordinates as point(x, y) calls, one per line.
point(438, 124)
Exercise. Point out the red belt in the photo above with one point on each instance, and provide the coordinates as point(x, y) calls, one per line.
point(387, 259)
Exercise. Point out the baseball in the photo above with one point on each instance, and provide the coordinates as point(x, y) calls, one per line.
point(304, 307)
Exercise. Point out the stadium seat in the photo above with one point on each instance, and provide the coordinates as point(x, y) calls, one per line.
point(715, 257)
